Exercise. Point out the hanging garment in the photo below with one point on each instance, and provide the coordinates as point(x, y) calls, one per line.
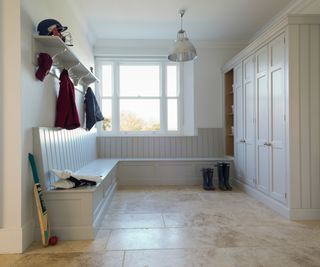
point(66, 113)
point(92, 109)
point(44, 66)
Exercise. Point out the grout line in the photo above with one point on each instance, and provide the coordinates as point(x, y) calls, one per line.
point(164, 223)
point(110, 232)
point(194, 248)
point(123, 258)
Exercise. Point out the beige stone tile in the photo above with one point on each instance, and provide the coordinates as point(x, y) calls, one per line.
point(224, 257)
point(117, 221)
point(75, 259)
point(127, 239)
point(9, 260)
point(163, 188)
point(166, 202)
point(269, 236)
point(98, 244)
point(309, 224)
point(217, 217)
point(213, 237)
point(206, 229)
point(197, 219)
point(117, 206)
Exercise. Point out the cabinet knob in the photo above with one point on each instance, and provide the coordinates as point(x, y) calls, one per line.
point(242, 141)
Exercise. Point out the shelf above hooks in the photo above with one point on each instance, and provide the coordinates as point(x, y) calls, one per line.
point(64, 58)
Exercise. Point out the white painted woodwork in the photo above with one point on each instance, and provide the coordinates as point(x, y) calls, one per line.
point(159, 172)
point(263, 120)
point(287, 116)
point(75, 214)
point(249, 120)
point(62, 149)
point(304, 72)
point(277, 113)
point(206, 144)
point(238, 122)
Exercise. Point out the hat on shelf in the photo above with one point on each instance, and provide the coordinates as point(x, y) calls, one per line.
point(46, 26)
point(52, 27)
point(44, 66)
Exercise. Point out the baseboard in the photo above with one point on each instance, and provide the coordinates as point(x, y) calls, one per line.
point(271, 203)
point(70, 233)
point(27, 234)
point(304, 214)
point(11, 240)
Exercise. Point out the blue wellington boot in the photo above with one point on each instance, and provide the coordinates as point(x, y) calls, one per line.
point(205, 184)
point(210, 179)
point(222, 185)
point(226, 171)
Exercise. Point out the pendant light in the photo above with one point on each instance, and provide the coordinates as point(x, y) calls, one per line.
point(183, 49)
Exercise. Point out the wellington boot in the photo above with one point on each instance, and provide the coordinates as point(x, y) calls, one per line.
point(210, 179)
point(205, 183)
point(222, 185)
point(226, 171)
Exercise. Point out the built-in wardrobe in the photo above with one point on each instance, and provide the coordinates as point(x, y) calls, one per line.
point(276, 117)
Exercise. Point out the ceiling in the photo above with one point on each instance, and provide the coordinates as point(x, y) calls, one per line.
point(215, 20)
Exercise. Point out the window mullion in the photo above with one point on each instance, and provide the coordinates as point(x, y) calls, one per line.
point(98, 92)
point(163, 100)
point(115, 99)
point(180, 98)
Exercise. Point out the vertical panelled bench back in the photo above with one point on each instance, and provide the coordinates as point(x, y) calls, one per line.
point(62, 149)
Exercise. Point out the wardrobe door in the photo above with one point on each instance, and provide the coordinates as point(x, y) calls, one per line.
point(278, 120)
point(249, 120)
point(238, 119)
point(263, 121)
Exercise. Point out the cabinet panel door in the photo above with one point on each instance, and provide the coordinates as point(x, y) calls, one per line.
point(262, 125)
point(278, 124)
point(249, 120)
point(238, 119)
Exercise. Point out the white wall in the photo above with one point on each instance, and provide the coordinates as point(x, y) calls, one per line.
point(10, 190)
point(209, 82)
point(27, 103)
point(208, 75)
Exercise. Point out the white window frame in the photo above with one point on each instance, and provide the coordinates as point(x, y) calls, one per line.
point(115, 98)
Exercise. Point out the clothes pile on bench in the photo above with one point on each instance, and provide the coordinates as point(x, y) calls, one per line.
point(69, 179)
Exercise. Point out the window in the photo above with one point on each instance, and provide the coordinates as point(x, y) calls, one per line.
point(140, 97)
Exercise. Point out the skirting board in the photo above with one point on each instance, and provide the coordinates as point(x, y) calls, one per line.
point(10, 240)
point(276, 206)
point(83, 232)
point(304, 214)
point(27, 234)
point(16, 240)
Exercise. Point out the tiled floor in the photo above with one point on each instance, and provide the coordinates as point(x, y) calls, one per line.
point(184, 227)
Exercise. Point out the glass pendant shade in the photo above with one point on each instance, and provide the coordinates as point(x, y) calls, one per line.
point(183, 50)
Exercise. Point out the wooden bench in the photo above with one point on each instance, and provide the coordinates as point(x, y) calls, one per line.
point(75, 214)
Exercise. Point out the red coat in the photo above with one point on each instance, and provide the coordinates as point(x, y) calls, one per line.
point(66, 114)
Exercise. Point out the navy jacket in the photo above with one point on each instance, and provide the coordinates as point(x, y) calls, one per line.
point(93, 112)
